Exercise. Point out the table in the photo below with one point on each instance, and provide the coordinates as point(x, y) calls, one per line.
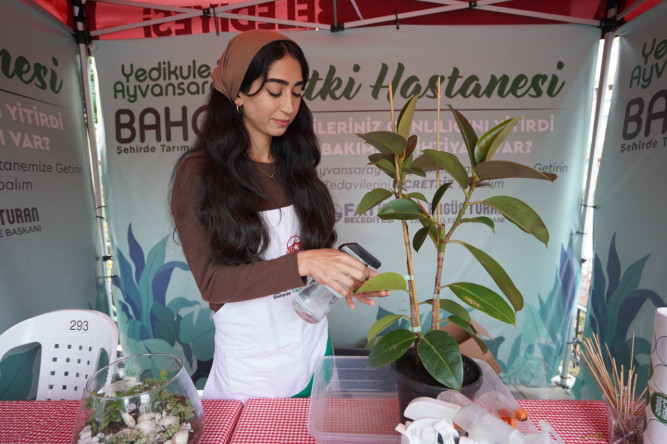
point(52, 422)
point(273, 421)
point(284, 420)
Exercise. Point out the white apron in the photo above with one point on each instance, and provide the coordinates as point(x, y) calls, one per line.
point(263, 349)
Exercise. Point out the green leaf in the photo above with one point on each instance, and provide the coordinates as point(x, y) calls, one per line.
point(381, 324)
point(420, 236)
point(430, 223)
point(521, 215)
point(390, 347)
point(490, 141)
point(438, 195)
point(405, 117)
point(468, 329)
point(469, 136)
point(441, 357)
point(402, 209)
point(415, 170)
point(451, 164)
point(383, 281)
point(501, 169)
point(485, 300)
point(386, 142)
point(373, 198)
point(456, 309)
point(499, 276)
point(387, 167)
point(412, 144)
point(376, 157)
point(482, 220)
point(416, 195)
point(424, 162)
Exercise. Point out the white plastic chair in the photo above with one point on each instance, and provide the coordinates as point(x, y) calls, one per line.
point(72, 341)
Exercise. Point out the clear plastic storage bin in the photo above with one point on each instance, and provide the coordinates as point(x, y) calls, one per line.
point(351, 403)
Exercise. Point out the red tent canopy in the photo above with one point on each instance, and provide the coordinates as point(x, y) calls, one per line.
point(114, 19)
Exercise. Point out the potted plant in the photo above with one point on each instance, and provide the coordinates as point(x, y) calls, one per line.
point(431, 348)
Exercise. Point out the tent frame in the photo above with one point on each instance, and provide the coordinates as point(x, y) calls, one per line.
point(222, 12)
point(83, 38)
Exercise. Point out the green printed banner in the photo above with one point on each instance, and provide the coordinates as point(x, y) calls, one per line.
point(152, 96)
point(630, 246)
point(48, 233)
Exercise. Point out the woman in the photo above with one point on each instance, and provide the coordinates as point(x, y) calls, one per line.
point(254, 221)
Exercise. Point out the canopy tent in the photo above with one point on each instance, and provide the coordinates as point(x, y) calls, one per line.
point(126, 19)
point(110, 21)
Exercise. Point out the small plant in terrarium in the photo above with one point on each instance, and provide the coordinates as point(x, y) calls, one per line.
point(140, 399)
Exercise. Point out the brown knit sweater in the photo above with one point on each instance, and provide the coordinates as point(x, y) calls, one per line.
point(220, 284)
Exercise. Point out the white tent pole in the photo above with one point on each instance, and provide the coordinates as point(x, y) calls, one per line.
point(596, 141)
point(182, 9)
point(173, 18)
point(92, 147)
point(187, 13)
point(486, 5)
point(405, 15)
point(593, 154)
point(541, 15)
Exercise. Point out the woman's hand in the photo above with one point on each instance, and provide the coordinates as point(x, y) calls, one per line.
point(339, 271)
point(365, 298)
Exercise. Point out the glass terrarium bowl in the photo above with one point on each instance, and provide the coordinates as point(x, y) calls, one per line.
point(146, 398)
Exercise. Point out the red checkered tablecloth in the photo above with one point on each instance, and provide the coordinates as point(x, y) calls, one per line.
point(220, 419)
point(285, 420)
point(577, 422)
point(281, 420)
point(37, 422)
point(52, 422)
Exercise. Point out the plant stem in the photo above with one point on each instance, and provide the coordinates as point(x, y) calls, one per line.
point(435, 306)
point(414, 305)
point(459, 216)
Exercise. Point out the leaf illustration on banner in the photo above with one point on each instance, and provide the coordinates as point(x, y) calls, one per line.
point(615, 303)
point(147, 322)
point(544, 329)
point(136, 253)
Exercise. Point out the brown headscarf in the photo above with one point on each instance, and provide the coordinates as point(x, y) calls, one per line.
point(236, 58)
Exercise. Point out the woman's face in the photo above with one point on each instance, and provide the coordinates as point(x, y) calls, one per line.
point(269, 112)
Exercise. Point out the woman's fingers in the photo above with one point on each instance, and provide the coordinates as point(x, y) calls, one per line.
point(331, 267)
point(366, 298)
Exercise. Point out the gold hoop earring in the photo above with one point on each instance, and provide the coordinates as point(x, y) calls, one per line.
point(239, 109)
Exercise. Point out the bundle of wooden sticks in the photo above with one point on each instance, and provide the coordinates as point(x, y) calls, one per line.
point(619, 386)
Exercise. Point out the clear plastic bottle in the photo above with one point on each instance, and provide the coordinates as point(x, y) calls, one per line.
point(313, 302)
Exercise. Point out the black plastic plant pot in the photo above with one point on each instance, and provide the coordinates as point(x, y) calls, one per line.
point(414, 381)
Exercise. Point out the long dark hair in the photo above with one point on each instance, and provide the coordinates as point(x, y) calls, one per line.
point(228, 208)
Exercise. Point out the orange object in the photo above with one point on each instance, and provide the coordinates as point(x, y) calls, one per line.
point(521, 414)
point(509, 420)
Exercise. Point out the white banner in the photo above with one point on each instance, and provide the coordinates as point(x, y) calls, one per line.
point(48, 232)
point(630, 245)
point(152, 92)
